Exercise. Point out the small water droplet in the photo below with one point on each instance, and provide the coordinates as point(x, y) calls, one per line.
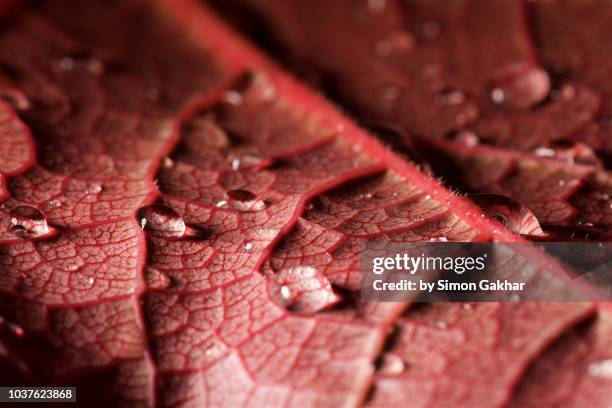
point(79, 61)
point(301, 289)
point(388, 92)
point(467, 306)
point(244, 161)
point(516, 217)
point(167, 163)
point(161, 221)
point(450, 97)
point(430, 30)
point(15, 329)
point(244, 200)
point(377, 5)
point(94, 188)
point(521, 87)
point(390, 364)
point(438, 239)
point(15, 97)
point(601, 369)
point(248, 245)
point(441, 324)
point(27, 222)
point(233, 98)
point(561, 183)
point(54, 203)
point(156, 279)
point(399, 42)
point(498, 95)
point(465, 137)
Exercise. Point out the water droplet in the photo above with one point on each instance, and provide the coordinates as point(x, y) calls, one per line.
point(561, 183)
point(516, 217)
point(161, 221)
point(233, 98)
point(570, 151)
point(254, 86)
point(94, 188)
point(441, 324)
point(201, 134)
point(167, 163)
point(388, 92)
point(521, 87)
point(243, 200)
point(156, 279)
point(248, 245)
point(452, 97)
point(467, 306)
point(79, 61)
point(54, 203)
point(377, 5)
point(601, 369)
point(302, 289)
point(27, 222)
point(14, 328)
point(15, 97)
point(465, 137)
point(430, 30)
point(244, 161)
point(398, 42)
point(438, 239)
point(390, 364)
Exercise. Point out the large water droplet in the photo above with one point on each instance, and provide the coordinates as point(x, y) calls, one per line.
point(521, 87)
point(390, 364)
point(302, 289)
point(156, 279)
point(161, 221)
point(602, 369)
point(244, 200)
point(516, 217)
point(27, 222)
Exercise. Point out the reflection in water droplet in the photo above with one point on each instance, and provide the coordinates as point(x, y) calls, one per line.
point(302, 289)
point(156, 279)
point(498, 95)
point(161, 221)
point(390, 364)
point(516, 217)
point(27, 222)
point(602, 369)
point(243, 200)
point(248, 245)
